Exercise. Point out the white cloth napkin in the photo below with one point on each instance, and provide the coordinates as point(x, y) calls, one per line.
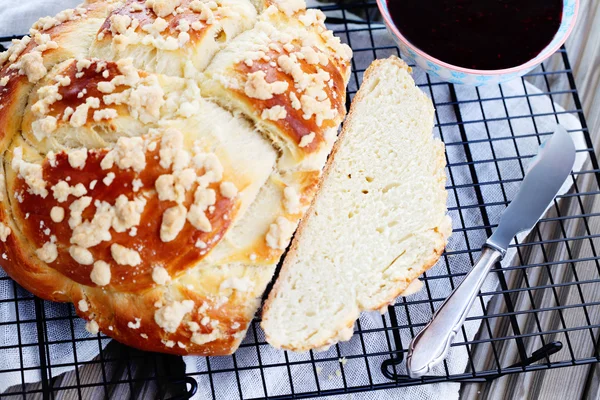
point(17, 17)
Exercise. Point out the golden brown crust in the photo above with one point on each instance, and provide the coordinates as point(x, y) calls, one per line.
point(113, 312)
point(294, 124)
point(87, 79)
point(175, 256)
point(14, 91)
point(139, 11)
point(13, 98)
point(401, 285)
point(289, 76)
point(177, 39)
point(132, 294)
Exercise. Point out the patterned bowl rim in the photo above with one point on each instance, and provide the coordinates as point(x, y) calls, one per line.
point(545, 53)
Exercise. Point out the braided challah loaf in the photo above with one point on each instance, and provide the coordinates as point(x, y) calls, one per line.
point(157, 157)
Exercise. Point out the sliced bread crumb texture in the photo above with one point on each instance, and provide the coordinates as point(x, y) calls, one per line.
point(378, 222)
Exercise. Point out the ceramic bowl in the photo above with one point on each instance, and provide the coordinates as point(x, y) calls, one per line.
point(459, 75)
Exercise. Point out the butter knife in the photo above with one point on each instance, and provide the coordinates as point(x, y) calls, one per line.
point(544, 178)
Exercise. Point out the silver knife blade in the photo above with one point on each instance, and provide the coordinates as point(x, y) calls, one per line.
point(547, 173)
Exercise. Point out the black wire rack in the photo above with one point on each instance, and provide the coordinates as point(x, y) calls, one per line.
point(518, 317)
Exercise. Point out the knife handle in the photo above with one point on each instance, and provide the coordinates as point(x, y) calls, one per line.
point(431, 345)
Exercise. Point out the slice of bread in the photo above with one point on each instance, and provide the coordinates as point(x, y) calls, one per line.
point(377, 223)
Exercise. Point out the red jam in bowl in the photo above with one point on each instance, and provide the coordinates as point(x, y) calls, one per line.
point(478, 34)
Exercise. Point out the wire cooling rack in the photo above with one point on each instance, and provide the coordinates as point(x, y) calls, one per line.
point(540, 336)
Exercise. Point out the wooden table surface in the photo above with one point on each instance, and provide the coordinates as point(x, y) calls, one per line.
point(564, 383)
